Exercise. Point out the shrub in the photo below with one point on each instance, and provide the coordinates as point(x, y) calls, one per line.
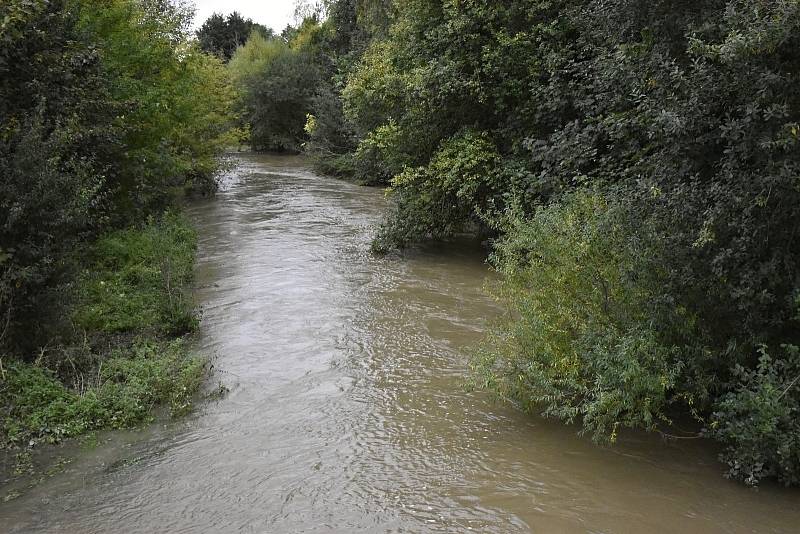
point(379, 156)
point(588, 337)
point(759, 419)
point(129, 383)
point(50, 179)
point(47, 203)
point(107, 111)
point(140, 280)
point(276, 83)
point(331, 139)
point(594, 334)
point(444, 197)
point(376, 90)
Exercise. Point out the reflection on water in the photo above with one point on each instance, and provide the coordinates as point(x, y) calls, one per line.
point(347, 410)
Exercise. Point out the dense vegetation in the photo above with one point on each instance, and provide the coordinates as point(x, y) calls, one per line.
point(635, 163)
point(131, 303)
point(109, 113)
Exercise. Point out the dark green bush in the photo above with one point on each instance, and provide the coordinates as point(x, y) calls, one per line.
point(758, 420)
point(47, 205)
point(107, 112)
point(459, 185)
point(594, 334)
point(132, 300)
point(331, 140)
point(276, 83)
point(50, 174)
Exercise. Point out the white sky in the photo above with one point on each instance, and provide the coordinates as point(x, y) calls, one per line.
point(275, 14)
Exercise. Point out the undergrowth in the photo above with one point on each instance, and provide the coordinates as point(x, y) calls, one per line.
point(126, 354)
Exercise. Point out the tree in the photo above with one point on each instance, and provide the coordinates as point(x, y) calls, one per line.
point(105, 113)
point(54, 137)
point(221, 36)
point(277, 80)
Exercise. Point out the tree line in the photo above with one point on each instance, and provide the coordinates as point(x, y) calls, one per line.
point(110, 113)
point(635, 166)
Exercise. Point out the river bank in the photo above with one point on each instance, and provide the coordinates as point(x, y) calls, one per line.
point(120, 355)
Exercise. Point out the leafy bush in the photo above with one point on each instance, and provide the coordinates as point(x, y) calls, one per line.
point(588, 337)
point(129, 383)
point(595, 335)
point(376, 91)
point(378, 156)
point(759, 419)
point(344, 37)
point(276, 82)
point(291, 86)
point(331, 139)
point(136, 283)
point(51, 182)
point(439, 200)
point(139, 280)
point(47, 202)
point(174, 103)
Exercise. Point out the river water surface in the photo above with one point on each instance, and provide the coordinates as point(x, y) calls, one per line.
point(347, 410)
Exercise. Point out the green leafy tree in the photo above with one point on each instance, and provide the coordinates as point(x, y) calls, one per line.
point(221, 36)
point(106, 112)
point(276, 81)
point(54, 111)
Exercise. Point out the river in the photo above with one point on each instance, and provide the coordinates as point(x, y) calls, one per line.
point(347, 410)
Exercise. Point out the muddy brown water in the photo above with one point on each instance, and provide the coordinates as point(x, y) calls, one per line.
point(347, 411)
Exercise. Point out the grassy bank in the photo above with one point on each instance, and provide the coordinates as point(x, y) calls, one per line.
point(123, 355)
